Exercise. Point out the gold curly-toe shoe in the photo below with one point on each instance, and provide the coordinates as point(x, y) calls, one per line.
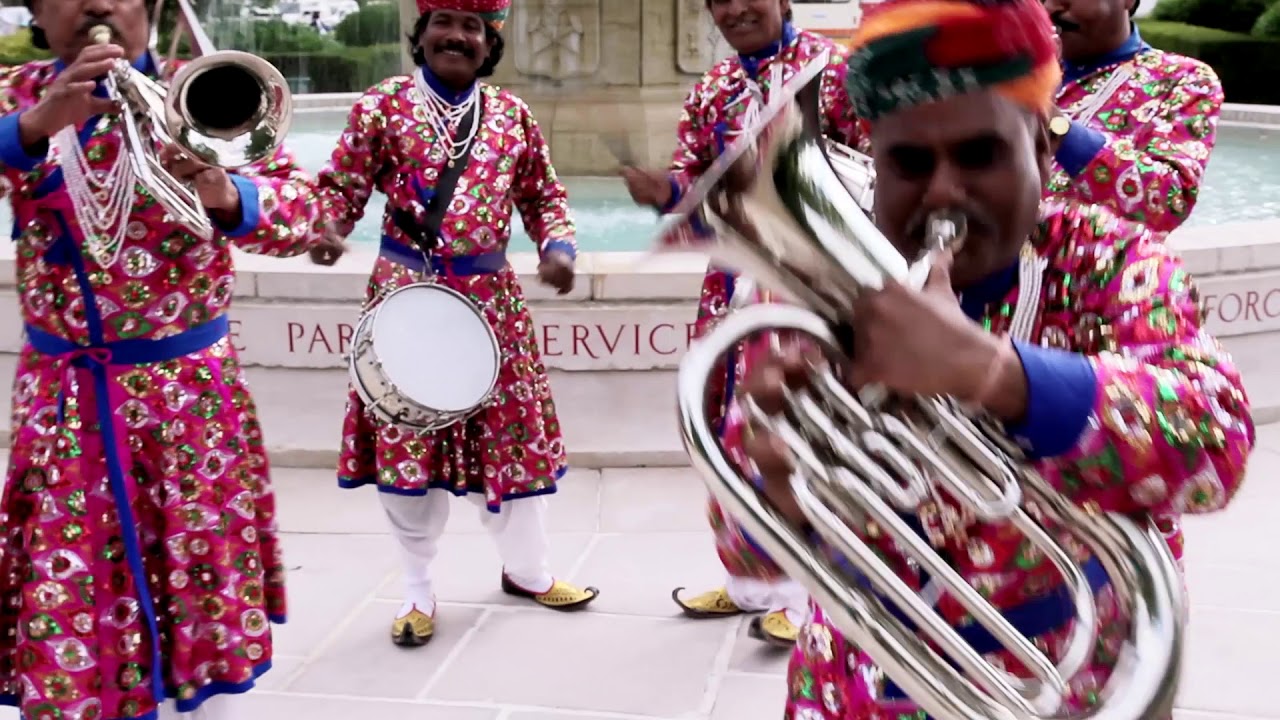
point(413, 630)
point(714, 604)
point(562, 596)
point(774, 629)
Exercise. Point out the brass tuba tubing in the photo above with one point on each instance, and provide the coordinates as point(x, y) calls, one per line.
point(866, 457)
point(1135, 557)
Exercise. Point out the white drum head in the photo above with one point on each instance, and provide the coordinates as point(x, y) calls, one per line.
point(435, 349)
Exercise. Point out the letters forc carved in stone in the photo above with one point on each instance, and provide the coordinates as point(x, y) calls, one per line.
point(557, 39)
point(699, 45)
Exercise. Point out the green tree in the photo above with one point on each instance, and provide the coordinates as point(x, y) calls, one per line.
point(1268, 25)
point(374, 24)
point(1230, 15)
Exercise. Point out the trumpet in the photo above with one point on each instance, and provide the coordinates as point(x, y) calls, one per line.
point(227, 108)
point(869, 457)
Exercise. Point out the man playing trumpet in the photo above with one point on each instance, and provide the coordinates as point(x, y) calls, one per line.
point(138, 550)
point(721, 106)
point(1080, 332)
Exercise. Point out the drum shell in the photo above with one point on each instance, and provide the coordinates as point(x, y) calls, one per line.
point(383, 401)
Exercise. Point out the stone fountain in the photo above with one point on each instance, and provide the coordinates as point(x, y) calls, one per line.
point(602, 74)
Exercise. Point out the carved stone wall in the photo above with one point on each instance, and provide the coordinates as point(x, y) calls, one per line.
point(605, 77)
point(557, 39)
point(699, 45)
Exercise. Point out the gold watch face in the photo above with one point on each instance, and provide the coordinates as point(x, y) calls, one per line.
point(1060, 126)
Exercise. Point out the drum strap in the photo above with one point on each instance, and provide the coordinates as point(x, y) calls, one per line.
point(426, 234)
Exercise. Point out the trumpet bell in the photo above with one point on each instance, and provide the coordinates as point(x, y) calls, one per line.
point(228, 108)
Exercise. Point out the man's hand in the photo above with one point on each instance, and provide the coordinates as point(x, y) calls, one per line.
point(212, 184)
point(327, 251)
point(556, 270)
point(647, 187)
point(767, 385)
point(919, 342)
point(70, 99)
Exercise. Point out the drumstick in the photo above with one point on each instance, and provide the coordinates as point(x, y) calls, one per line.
point(619, 146)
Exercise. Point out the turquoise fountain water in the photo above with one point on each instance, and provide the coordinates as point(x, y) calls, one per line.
point(1242, 184)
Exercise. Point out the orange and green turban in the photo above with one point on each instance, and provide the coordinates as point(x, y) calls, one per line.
point(913, 52)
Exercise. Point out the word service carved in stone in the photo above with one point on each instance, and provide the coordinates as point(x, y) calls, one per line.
point(640, 337)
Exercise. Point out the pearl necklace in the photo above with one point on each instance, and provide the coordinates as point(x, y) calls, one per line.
point(445, 117)
point(101, 199)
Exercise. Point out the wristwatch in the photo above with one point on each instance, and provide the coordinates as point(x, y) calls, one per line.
point(1059, 126)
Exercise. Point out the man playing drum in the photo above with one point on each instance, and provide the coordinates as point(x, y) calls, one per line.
point(139, 558)
point(1134, 126)
point(1079, 331)
point(722, 105)
point(455, 158)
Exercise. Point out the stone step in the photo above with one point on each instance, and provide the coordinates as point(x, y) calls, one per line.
point(610, 419)
point(613, 345)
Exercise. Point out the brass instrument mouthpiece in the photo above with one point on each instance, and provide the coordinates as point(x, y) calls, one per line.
point(946, 228)
point(100, 34)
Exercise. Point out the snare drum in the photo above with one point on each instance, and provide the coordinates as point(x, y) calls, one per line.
point(424, 358)
point(856, 171)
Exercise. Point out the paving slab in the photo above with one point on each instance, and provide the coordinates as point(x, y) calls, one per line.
point(637, 533)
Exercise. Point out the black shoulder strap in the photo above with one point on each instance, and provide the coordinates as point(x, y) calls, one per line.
point(426, 234)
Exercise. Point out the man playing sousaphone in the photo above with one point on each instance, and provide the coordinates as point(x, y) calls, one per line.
point(456, 158)
point(139, 556)
point(1078, 331)
point(721, 106)
point(1134, 126)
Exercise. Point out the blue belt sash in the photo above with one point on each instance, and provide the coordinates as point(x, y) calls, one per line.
point(461, 265)
point(132, 352)
point(96, 359)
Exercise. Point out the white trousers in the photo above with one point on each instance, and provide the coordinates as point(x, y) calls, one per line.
point(520, 532)
point(755, 595)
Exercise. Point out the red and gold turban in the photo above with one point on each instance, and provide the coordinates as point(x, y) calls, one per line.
point(913, 52)
point(493, 12)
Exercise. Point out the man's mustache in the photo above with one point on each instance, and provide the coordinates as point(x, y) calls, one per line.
point(463, 48)
point(1063, 23)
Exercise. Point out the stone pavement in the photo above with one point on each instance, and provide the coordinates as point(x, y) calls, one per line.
point(637, 534)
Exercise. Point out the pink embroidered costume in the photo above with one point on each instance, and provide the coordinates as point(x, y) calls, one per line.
point(511, 453)
point(1143, 123)
point(140, 558)
point(1132, 407)
point(720, 107)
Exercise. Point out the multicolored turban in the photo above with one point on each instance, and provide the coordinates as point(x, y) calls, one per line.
point(913, 52)
point(494, 12)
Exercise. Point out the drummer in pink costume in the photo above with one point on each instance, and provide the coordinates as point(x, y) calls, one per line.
point(723, 104)
point(402, 137)
point(139, 558)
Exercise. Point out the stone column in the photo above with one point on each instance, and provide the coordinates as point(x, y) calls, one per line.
point(408, 16)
